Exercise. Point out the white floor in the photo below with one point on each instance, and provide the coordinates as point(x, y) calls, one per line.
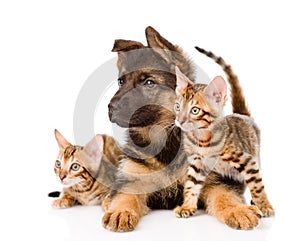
point(32, 218)
point(84, 223)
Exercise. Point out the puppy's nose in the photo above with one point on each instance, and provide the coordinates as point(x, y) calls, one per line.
point(111, 108)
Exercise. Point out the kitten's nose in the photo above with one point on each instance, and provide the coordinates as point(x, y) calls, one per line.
point(177, 123)
point(62, 176)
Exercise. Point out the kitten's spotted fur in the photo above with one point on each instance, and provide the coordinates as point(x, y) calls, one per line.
point(226, 145)
point(79, 168)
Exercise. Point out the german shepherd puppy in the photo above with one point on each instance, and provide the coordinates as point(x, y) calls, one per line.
point(153, 171)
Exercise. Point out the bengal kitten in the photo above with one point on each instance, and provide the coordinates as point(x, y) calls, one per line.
point(78, 169)
point(225, 145)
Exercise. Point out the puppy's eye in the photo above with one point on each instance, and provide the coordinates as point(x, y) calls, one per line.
point(150, 83)
point(195, 110)
point(121, 82)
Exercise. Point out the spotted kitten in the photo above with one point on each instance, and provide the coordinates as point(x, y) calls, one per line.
point(226, 145)
point(86, 173)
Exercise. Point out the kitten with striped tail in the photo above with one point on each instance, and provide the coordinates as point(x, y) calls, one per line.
point(227, 145)
point(87, 173)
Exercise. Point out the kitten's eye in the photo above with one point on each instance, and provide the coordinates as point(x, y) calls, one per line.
point(57, 164)
point(75, 167)
point(177, 107)
point(195, 110)
point(121, 82)
point(150, 83)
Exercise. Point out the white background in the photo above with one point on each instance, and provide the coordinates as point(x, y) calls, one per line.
point(48, 50)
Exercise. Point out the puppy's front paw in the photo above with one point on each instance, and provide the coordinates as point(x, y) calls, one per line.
point(120, 220)
point(243, 217)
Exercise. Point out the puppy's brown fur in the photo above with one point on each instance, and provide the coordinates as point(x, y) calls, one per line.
point(152, 173)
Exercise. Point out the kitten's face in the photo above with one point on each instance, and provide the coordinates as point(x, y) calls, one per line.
point(192, 109)
point(76, 164)
point(68, 167)
point(198, 105)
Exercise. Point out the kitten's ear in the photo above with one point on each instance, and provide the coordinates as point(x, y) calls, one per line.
point(217, 90)
point(94, 149)
point(91, 154)
point(61, 140)
point(182, 82)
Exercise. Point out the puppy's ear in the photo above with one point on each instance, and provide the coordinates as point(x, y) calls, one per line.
point(155, 40)
point(171, 53)
point(122, 46)
point(160, 45)
point(126, 45)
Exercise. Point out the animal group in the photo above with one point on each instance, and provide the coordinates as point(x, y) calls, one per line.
point(181, 151)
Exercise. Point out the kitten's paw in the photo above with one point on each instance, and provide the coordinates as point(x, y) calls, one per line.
point(242, 217)
point(267, 210)
point(62, 203)
point(184, 212)
point(105, 203)
point(120, 220)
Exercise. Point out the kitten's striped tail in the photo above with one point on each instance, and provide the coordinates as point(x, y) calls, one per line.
point(238, 101)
